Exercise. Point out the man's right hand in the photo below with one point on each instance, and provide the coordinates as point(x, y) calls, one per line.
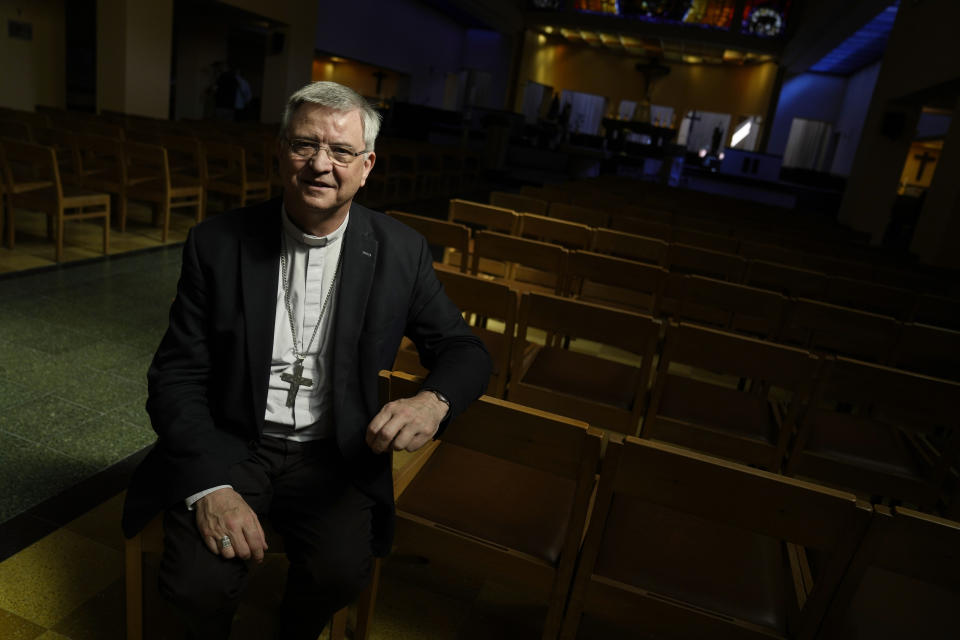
point(225, 513)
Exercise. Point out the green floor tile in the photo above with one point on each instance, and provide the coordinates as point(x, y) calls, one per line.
point(96, 390)
point(103, 440)
point(13, 394)
point(46, 420)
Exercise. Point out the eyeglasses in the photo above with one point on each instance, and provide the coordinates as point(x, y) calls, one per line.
point(308, 150)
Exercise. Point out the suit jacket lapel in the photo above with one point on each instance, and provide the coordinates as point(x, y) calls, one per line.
point(356, 278)
point(259, 266)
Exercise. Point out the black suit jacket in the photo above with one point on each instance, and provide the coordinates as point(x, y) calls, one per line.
point(208, 380)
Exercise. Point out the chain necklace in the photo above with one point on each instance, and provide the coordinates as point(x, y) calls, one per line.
point(297, 379)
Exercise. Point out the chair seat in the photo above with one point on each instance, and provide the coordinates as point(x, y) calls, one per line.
point(499, 501)
point(22, 187)
point(701, 403)
point(584, 376)
point(704, 563)
point(865, 443)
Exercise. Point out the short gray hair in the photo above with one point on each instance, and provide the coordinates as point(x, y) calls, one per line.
point(339, 98)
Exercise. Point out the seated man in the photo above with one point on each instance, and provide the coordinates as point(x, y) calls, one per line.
point(263, 392)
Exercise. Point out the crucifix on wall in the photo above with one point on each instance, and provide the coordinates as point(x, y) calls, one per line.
point(924, 159)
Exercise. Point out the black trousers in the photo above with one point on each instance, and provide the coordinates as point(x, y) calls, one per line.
point(325, 522)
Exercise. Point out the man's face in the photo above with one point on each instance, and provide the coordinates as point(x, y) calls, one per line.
point(318, 189)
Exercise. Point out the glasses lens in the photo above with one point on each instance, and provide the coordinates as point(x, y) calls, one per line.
point(304, 148)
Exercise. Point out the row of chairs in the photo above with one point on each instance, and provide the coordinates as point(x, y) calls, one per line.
point(878, 430)
point(531, 265)
point(800, 241)
point(668, 542)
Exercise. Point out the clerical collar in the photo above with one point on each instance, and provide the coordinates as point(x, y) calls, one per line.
point(295, 233)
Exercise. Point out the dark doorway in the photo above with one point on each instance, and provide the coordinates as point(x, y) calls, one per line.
point(81, 63)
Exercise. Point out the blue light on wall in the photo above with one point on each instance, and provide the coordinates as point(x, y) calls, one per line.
point(864, 47)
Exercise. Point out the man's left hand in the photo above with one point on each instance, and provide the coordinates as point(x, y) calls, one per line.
point(407, 423)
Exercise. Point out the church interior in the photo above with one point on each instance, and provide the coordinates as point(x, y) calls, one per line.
point(711, 245)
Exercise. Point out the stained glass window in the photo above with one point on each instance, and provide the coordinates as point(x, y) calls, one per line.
point(598, 6)
point(765, 18)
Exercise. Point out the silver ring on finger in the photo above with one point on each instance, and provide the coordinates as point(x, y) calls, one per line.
point(225, 542)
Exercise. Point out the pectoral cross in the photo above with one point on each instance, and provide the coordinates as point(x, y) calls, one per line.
point(295, 379)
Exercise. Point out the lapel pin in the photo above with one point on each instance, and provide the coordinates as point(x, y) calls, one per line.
point(366, 253)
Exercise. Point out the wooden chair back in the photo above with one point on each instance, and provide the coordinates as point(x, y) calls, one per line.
point(932, 351)
point(684, 258)
point(594, 363)
point(630, 246)
point(483, 216)
point(749, 394)
point(881, 431)
point(450, 236)
point(528, 265)
point(504, 495)
point(611, 281)
point(519, 203)
point(788, 280)
point(571, 235)
point(15, 130)
point(578, 214)
point(870, 296)
point(902, 582)
point(642, 227)
point(681, 544)
point(730, 306)
point(705, 240)
point(940, 311)
point(840, 330)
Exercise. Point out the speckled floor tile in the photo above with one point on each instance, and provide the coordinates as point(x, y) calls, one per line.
point(13, 627)
point(46, 420)
point(13, 394)
point(14, 356)
point(40, 334)
point(96, 390)
point(102, 440)
point(30, 473)
point(53, 635)
point(107, 355)
point(51, 578)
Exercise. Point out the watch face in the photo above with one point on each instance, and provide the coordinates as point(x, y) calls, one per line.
point(765, 21)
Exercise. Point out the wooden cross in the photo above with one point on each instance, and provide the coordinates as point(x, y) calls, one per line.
point(296, 379)
point(693, 120)
point(924, 159)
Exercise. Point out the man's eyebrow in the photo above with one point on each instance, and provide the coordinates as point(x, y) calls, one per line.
point(331, 144)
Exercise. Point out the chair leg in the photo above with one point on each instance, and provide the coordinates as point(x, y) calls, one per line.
point(10, 225)
point(164, 208)
point(59, 240)
point(133, 576)
point(366, 603)
point(338, 626)
point(106, 231)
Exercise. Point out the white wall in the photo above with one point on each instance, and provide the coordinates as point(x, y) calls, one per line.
point(853, 111)
point(811, 96)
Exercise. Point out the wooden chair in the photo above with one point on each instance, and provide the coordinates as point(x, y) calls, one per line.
point(164, 189)
point(932, 351)
point(227, 173)
point(42, 191)
point(642, 227)
point(728, 395)
point(838, 266)
point(15, 130)
point(883, 432)
point(102, 165)
point(524, 265)
point(578, 214)
point(684, 545)
point(631, 246)
point(450, 237)
point(519, 203)
point(478, 217)
point(571, 235)
point(684, 258)
point(504, 495)
point(939, 311)
point(788, 280)
point(869, 296)
point(839, 330)
point(705, 240)
point(611, 281)
point(734, 307)
point(485, 303)
point(594, 365)
point(903, 581)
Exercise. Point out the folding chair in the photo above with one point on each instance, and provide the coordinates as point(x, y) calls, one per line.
point(479, 217)
point(631, 246)
point(734, 307)
point(728, 395)
point(227, 173)
point(705, 240)
point(932, 351)
point(788, 280)
point(940, 311)
point(504, 495)
point(683, 545)
point(571, 235)
point(519, 203)
point(903, 581)
point(450, 237)
point(611, 281)
point(831, 329)
point(581, 215)
point(869, 296)
point(884, 433)
point(165, 190)
point(594, 364)
point(684, 258)
point(524, 265)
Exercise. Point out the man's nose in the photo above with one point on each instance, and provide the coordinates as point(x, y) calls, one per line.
point(321, 160)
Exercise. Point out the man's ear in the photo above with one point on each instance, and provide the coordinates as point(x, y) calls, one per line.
point(368, 161)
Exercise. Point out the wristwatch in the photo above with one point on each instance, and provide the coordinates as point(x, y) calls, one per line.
point(442, 398)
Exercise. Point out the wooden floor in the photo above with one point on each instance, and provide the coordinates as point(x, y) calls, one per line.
point(83, 240)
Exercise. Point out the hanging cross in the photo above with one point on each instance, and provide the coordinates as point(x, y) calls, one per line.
point(924, 159)
point(693, 117)
point(296, 379)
